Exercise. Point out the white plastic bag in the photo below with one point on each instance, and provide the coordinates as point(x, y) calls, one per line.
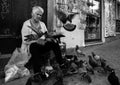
point(15, 66)
point(15, 72)
point(10, 73)
point(18, 57)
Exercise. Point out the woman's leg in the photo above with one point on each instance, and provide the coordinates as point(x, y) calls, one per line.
point(37, 50)
point(56, 49)
point(37, 60)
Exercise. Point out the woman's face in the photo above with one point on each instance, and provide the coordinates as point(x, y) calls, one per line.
point(37, 16)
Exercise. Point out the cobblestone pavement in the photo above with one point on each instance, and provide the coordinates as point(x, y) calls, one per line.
point(108, 51)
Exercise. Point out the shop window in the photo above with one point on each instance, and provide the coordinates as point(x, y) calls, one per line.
point(93, 27)
point(118, 16)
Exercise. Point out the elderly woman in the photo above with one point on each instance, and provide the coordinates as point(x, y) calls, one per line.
point(35, 42)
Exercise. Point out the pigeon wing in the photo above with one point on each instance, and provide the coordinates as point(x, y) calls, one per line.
point(71, 16)
point(61, 15)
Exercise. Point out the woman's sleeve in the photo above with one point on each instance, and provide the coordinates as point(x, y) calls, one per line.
point(45, 28)
point(24, 31)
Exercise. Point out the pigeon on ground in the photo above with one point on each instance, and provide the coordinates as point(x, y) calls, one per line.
point(95, 56)
point(93, 62)
point(113, 79)
point(59, 82)
point(78, 51)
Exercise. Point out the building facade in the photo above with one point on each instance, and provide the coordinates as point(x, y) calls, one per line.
point(96, 19)
point(89, 21)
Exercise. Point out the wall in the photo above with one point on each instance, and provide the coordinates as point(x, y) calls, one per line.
point(109, 9)
point(75, 37)
point(50, 10)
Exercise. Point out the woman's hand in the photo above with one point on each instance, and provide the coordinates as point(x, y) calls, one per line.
point(40, 34)
point(31, 37)
point(49, 39)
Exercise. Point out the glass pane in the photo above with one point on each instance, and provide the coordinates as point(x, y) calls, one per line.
point(93, 31)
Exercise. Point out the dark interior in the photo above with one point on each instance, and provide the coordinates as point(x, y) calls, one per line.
point(12, 15)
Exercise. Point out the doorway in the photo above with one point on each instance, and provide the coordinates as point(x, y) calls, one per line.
point(14, 12)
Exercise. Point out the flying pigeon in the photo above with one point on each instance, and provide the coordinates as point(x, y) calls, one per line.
point(64, 17)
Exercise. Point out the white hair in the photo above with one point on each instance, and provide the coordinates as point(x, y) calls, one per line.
point(37, 8)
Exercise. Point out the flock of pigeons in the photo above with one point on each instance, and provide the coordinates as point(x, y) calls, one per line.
point(85, 68)
point(96, 62)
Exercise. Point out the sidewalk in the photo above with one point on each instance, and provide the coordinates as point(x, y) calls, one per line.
point(110, 52)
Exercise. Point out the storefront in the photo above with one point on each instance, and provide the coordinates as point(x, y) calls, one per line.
point(89, 24)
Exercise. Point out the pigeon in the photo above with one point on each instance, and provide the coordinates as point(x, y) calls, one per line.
point(63, 16)
point(85, 76)
point(93, 62)
point(29, 81)
point(79, 63)
point(35, 78)
point(103, 63)
point(78, 51)
point(66, 19)
point(100, 60)
point(89, 69)
point(69, 26)
point(113, 79)
point(108, 69)
point(95, 56)
point(71, 58)
point(59, 82)
point(88, 78)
